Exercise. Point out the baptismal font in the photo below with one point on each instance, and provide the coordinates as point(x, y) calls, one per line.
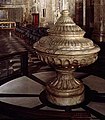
point(66, 49)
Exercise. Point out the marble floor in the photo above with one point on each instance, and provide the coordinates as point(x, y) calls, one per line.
point(25, 85)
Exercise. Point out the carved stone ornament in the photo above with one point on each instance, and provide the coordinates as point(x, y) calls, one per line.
point(66, 49)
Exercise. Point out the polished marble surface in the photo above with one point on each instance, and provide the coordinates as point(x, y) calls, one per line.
point(28, 86)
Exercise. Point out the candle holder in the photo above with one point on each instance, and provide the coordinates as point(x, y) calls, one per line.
point(43, 22)
point(66, 49)
point(35, 19)
point(35, 13)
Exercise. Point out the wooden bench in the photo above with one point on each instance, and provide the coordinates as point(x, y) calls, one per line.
point(11, 47)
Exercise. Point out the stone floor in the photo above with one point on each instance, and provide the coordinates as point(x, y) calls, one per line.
point(25, 85)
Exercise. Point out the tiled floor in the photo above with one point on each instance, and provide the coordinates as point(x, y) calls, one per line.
point(27, 86)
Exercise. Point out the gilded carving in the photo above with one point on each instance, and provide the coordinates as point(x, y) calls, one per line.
point(65, 49)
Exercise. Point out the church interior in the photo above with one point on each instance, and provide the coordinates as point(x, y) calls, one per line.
point(52, 59)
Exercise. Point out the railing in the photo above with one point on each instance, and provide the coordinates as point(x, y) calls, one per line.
point(7, 25)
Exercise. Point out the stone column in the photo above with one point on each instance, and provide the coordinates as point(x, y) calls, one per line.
point(88, 17)
point(89, 14)
point(99, 21)
point(79, 12)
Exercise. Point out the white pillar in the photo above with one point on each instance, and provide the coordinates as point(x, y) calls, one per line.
point(63, 4)
point(84, 13)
